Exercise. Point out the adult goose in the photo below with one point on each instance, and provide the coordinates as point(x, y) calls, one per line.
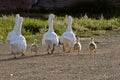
point(50, 38)
point(17, 42)
point(68, 38)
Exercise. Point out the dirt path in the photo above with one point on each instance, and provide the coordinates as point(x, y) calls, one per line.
point(104, 65)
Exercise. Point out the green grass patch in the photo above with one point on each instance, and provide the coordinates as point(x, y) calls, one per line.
point(34, 28)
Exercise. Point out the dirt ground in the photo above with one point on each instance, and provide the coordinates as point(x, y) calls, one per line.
point(104, 65)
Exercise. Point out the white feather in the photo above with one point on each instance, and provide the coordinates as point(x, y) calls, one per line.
point(13, 32)
point(68, 37)
point(50, 38)
point(16, 40)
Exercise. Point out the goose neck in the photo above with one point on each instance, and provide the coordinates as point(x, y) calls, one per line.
point(15, 26)
point(69, 28)
point(18, 30)
point(50, 27)
point(16, 21)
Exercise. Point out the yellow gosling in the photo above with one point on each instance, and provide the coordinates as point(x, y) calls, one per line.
point(77, 45)
point(34, 47)
point(92, 46)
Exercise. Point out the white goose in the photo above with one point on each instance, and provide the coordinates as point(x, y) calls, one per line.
point(12, 33)
point(18, 41)
point(68, 38)
point(50, 38)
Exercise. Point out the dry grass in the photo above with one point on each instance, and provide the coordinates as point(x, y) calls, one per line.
point(104, 65)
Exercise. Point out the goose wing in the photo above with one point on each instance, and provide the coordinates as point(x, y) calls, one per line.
point(50, 36)
point(68, 35)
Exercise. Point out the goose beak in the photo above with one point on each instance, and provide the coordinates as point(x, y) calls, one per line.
point(51, 17)
point(17, 16)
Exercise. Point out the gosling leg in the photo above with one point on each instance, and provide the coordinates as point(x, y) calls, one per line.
point(14, 55)
point(22, 54)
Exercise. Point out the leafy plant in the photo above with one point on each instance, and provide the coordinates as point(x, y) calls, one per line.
point(34, 28)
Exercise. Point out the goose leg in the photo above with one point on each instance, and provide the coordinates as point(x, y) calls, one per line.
point(78, 51)
point(48, 50)
point(53, 49)
point(69, 50)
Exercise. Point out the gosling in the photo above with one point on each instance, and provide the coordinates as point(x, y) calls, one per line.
point(77, 45)
point(92, 46)
point(34, 47)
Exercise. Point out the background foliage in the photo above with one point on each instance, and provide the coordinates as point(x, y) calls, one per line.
point(83, 26)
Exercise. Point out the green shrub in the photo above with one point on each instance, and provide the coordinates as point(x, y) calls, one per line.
point(34, 28)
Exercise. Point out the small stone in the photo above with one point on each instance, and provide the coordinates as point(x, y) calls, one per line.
point(11, 74)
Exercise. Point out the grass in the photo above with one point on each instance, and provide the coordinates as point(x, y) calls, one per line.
point(36, 27)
